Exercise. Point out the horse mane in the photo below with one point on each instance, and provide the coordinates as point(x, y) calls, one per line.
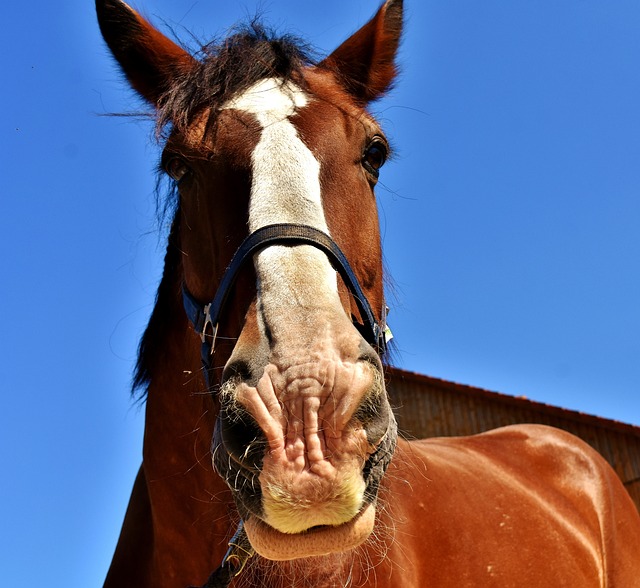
point(221, 71)
point(162, 319)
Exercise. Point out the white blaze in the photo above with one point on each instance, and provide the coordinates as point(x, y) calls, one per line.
point(285, 189)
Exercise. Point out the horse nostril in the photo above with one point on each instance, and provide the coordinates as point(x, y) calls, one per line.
point(374, 413)
point(241, 437)
point(238, 369)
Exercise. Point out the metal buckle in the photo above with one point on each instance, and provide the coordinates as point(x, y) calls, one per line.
point(239, 552)
point(209, 323)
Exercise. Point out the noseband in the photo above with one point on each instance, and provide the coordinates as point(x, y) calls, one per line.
point(205, 318)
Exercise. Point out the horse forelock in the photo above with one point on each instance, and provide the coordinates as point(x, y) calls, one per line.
point(226, 69)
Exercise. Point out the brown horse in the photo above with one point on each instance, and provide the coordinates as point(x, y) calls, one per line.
point(263, 355)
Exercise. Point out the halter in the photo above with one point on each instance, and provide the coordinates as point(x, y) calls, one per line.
point(205, 318)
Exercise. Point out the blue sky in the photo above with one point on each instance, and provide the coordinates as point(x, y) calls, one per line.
point(510, 221)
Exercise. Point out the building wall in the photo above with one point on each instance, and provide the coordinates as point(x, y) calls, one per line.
point(429, 407)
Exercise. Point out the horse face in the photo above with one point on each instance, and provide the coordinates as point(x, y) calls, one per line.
point(304, 431)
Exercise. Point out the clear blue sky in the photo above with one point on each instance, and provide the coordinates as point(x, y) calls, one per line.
point(510, 222)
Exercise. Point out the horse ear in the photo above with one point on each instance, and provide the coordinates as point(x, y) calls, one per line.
point(149, 59)
point(365, 62)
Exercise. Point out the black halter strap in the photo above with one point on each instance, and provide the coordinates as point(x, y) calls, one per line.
point(205, 318)
point(237, 556)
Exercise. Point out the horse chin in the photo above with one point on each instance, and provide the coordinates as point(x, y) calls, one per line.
point(317, 541)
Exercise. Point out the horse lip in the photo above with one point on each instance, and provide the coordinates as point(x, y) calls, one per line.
point(315, 541)
point(248, 496)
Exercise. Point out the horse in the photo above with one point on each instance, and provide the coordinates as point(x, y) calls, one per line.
point(271, 454)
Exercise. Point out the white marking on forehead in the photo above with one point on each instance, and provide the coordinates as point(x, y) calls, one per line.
point(286, 175)
point(271, 100)
point(285, 188)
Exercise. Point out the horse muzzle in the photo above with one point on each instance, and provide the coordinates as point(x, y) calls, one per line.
point(304, 470)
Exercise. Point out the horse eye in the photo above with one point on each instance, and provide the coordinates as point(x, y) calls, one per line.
point(176, 168)
point(374, 157)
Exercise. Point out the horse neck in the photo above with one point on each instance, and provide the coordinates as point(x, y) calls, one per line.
point(179, 419)
point(191, 510)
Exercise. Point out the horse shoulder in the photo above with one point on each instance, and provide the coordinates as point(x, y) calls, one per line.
point(493, 509)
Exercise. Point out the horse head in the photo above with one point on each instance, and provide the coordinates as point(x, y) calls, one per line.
point(275, 159)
